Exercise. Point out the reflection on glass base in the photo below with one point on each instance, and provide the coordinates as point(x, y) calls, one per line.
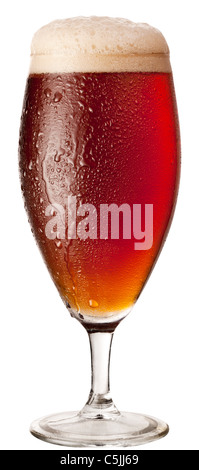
point(98, 323)
point(74, 430)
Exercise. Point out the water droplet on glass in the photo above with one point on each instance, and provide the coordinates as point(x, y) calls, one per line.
point(57, 157)
point(57, 97)
point(81, 105)
point(47, 92)
point(30, 165)
point(52, 212)
point(93, 303)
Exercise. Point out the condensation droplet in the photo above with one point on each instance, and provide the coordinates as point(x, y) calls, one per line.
point(81, 105)
point(57, 158)
point(47, 92)
point(52, 212)
point(93, 303)
point(57, 97)
point(30, 165)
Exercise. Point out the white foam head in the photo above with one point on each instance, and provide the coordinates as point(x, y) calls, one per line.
point(98, 44)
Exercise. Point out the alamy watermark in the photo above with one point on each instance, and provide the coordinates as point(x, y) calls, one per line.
point(137, 222)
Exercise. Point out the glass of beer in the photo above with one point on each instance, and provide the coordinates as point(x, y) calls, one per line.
point(99, 163)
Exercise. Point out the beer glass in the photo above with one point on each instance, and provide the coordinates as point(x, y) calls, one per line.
point(99, 165)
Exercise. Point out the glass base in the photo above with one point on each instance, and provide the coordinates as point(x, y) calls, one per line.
point(74, 430)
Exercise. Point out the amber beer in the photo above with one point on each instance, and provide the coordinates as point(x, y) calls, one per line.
point(99, 125)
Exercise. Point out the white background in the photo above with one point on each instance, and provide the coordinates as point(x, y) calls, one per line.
point(44, 352)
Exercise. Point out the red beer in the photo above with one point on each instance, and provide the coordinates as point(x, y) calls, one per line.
point(106, 138)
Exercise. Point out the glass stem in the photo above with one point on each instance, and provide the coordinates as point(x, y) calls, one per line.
point(100, 403)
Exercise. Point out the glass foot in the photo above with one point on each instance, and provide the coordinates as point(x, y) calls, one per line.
point(74, 430)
